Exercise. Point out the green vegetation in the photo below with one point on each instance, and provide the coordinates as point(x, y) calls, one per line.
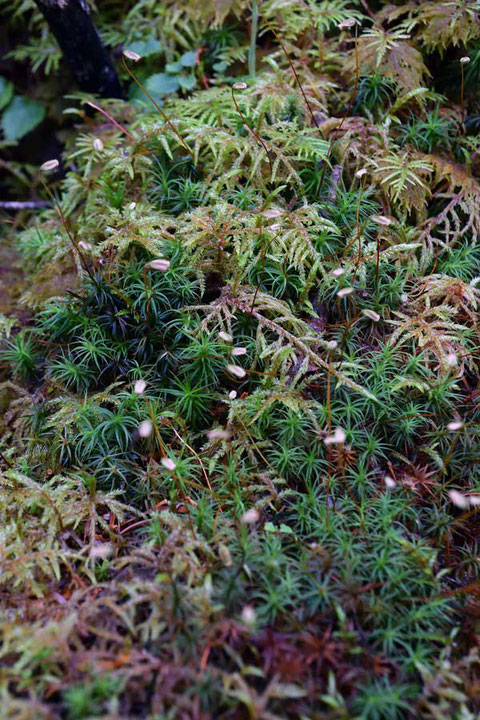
point(240, 467)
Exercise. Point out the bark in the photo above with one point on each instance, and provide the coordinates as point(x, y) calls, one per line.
point(71, 23)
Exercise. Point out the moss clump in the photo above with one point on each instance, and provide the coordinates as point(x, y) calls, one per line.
point(240, 460)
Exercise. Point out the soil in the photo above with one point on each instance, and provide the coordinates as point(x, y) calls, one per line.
point(11, 282)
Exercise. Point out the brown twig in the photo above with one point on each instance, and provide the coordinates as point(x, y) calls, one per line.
point(252, 130)
point(157, 107)
point(109, 117)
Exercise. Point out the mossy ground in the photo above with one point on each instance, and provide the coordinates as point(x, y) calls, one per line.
point(240, 392)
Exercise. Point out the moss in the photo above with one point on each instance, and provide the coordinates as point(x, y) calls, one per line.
point(241, 426)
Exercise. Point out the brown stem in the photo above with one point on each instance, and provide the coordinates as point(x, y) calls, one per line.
point(252, 130)
point(107, 115)
point(157, 106)
point(67, 230)
point(297, 79)
point(349, 106)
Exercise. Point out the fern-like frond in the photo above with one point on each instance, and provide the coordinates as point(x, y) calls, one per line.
point(452, 23)
point(392, 53)
point(459, 217)
point(435, 331)
point(297, 346)
point(404, 178)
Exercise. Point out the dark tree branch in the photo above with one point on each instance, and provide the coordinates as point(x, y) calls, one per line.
point(71, 23)
point(22, 205)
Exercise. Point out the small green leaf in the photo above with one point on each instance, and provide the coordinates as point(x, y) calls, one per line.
point(188, 59)
point(286, 529)
point(162, 84)
point(174, 68)
point(187, 82)
point(21, 116)
point(6, 91)
point(144, 48)
point(270, 527)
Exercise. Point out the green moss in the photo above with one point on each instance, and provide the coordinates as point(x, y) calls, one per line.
point(240, 454)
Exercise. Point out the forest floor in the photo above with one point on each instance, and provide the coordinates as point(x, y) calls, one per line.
point(240, 369)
